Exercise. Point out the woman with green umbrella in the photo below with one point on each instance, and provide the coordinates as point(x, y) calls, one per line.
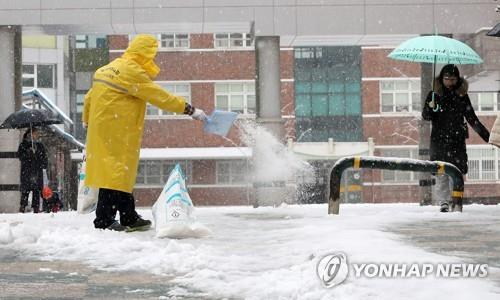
point(447, 112)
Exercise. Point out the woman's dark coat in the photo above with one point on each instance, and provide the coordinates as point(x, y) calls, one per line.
point(32, 164)
point(449, 130)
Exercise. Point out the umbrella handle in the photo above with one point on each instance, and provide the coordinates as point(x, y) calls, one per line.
point(436, 106)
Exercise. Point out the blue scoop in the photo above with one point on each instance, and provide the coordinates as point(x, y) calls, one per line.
point(219, 122)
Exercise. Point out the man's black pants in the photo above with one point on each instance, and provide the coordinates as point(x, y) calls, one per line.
point(111, 201)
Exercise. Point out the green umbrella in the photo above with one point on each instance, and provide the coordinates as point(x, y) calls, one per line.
point(435, 49)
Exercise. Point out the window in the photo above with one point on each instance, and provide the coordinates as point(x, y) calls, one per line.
point(179, 89)
point(482, 164)
point(237, 97)
point(400, 96)
point(483, 101)
point(334, 98)
point(90, 41)
point(81, 41)
point(316, 52)
point(399, 176)
point(231, 172)
point(38, 76)
point(156, 172)
point(80, 99)
point(233, 40)
point(29, 76)
point(174, 40)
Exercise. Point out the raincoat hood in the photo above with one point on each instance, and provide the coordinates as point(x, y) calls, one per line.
point(142, 49)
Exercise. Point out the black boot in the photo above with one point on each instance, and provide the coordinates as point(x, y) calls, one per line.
point(22, 209)
point(139, 225)
point(116, 226)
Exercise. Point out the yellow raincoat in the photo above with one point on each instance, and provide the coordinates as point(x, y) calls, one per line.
point(114, 110)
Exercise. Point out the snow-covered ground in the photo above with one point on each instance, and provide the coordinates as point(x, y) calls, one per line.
point(263, 253)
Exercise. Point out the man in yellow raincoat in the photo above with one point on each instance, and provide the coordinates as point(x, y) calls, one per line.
point(114, 110)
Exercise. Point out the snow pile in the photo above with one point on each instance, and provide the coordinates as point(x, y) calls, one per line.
point(264, 253)
point(183, 230)
point(6, 236)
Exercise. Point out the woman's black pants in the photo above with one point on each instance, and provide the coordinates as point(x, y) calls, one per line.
point(35, 202)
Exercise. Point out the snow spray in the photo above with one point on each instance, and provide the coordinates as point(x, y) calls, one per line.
point(272, 161)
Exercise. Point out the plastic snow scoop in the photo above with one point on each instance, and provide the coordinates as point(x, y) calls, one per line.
point(219, 122)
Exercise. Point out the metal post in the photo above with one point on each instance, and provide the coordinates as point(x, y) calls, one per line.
point(424, 133)
point(10, 101)
point(268, 102)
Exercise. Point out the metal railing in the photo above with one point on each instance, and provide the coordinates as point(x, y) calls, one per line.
point(392, 163)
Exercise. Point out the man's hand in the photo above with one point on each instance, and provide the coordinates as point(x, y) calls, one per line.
point(199, 115)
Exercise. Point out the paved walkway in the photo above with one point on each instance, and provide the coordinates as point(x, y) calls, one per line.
point(21, 279)
point(475, 239)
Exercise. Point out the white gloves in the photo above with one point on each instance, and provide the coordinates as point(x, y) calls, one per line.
point(199, 115)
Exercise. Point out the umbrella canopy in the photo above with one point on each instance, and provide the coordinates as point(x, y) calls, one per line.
point(26, 118)
point(436, 49)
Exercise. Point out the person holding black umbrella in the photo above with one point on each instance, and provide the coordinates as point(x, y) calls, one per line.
point(34, 162)
point(446, 109)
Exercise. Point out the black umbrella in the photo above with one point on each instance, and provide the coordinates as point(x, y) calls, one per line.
point(26, 118)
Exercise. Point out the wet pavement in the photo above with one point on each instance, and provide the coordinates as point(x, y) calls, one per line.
point(25, 279)
point(475, 239)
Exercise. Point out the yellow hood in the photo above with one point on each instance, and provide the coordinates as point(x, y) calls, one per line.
point(142, 49)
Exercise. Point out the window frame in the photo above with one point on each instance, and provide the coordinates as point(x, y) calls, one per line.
point(481, 176)
point(413, 176)
point(175, 39)
point(165, 114)
point(479, 108)
point(409, 92)
point(186, 167)
point(246, 39)
point(481, 173)
point(81, 43)
point(308, 53)
point(234, 166)
point(35, 76)
point(245, 93)
point(93, 39)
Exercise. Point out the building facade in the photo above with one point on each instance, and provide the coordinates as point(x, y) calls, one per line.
point(348, 94)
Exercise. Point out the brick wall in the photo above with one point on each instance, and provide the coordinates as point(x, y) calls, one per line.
point(377, 64)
